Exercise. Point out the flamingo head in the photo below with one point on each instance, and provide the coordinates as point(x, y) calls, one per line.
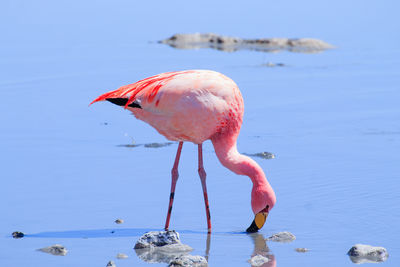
point(262, 201)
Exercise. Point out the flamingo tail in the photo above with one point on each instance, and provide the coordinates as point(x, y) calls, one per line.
point(114, 97)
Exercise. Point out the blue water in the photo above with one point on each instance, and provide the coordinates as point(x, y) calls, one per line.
point(332, 119)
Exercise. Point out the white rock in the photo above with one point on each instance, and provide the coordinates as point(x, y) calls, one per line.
point(58, 250)
point(283, 237)
point(258, 260)
point(360, 253)
point(189, 261)
point(157, 239)
point(160, 246)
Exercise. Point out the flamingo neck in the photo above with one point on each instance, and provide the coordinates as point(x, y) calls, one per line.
point(226, 150)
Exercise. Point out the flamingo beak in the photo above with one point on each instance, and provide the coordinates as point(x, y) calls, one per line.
point(258, 222)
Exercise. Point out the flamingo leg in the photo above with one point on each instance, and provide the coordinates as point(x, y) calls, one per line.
point(175, 175)
point(202, 174)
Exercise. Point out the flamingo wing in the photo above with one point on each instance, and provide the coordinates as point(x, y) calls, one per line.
point(147, 88)
point(187, 105)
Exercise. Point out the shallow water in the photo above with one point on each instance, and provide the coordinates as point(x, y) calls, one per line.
point(331, 120)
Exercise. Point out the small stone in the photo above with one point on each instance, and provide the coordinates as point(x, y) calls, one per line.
point(122, 256)
point(302, 250)
point(189, 261)
point(283, 237)
point(57, 250)
point(360, 253)
point(18, 235)
point(258, 260)
point(111, 264)
point(264, 155)
point(119, 221)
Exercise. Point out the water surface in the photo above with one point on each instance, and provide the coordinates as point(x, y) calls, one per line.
point(331, 120)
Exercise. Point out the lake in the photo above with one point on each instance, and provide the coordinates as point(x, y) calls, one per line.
point(332, 120)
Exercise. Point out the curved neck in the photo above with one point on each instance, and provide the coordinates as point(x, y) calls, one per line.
point(226, 150)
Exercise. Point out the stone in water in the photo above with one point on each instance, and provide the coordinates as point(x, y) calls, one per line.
point(360, 253)
point(283, 237)
point(57, 250)
point(189, 261)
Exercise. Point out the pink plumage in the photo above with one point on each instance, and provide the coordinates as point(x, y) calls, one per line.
point(195, 106)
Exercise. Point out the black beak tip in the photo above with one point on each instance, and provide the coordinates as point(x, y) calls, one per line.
point(252, 228)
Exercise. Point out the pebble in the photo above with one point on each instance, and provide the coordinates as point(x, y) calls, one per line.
point(360, 253)
point(270, 64)
point(18, 235)
point(302, 250)
point(258, 260)
point(119, 221)
point(122, 256)
point(189, 261)
point(57, 250)
point(283, 237)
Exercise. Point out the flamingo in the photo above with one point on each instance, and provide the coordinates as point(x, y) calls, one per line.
point(195, 106)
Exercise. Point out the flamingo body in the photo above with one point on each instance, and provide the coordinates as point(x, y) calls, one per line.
point(186, 105)
point(194, 106)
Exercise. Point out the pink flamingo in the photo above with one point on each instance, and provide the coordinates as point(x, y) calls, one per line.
point(194, 106)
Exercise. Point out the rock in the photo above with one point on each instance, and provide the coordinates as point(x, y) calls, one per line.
point(111, 264)
point(157, 145)
point(160, 246)
point(360, 253)
point(122, 256)
point(119, 221)
point(271, 65)
point(18, 235)
point(57, 250)
point(263, 155)
point(157, 239)
point(189, 261)
point(231, 44)
point(258, 260)
point(302, 250)
point(283, 237)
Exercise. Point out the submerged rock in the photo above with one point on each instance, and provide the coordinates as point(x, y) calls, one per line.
point(111, 264)
point(18, 235)
point(283, 237)
point(121, 256)
point(230, 44)
point(57, 250)
point(258, 260)
point(271, 65)
point(160, 246)
point(157, 145)
point(189, 261)
point(360, 253)
point(302, 250)
point(263, 155)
